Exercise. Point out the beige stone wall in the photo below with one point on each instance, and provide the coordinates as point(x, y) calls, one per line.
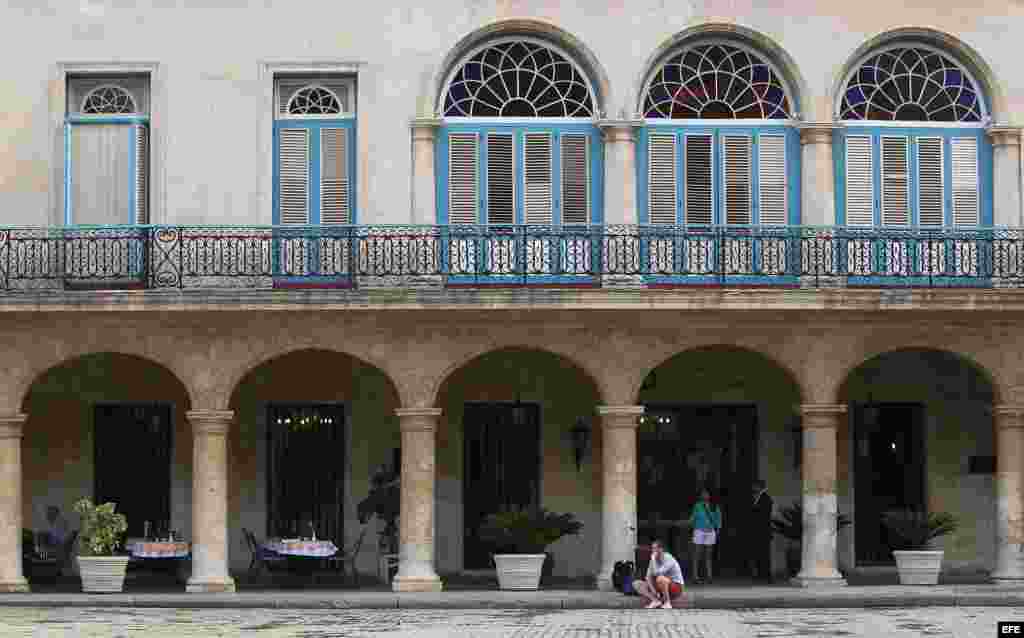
point(57, 448)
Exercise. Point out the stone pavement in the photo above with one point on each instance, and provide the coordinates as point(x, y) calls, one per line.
point(960, 622)
point(705, 597)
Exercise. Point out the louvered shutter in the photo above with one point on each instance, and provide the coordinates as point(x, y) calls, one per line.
point(293, 177)
point(859, 181)
point(141, 174)
point(895, 182)
point(698, 181)
point(103, 183)
point(501, 179)
point(463, 178)
point(575, 179)
point(929, 181)
point(537, 164)
point(736, 151)
point(661, 178)
point(334, 177)
point(771, 179)
point(964, 155)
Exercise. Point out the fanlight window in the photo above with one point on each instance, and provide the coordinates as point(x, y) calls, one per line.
point(518, 78)
point(911, 84)
point(108, 100)
point(716, 81)
point(313, 100)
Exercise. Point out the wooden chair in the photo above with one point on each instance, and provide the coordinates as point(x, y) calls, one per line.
point(259, 555)
point(346, 557)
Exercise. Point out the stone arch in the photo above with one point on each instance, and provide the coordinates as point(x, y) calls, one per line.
point(841, 388)
point(725, 348)
point(988, 83)
point(437, 383)
point(580, 53)
point(773, 52)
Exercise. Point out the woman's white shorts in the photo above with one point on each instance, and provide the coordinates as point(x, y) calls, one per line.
point(704, 536)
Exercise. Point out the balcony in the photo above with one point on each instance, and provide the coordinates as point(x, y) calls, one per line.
point(287, 257)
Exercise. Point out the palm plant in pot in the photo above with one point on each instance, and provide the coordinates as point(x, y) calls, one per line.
point(912, 534)
point(790, 525)
point(101, 569)
point(520, 537)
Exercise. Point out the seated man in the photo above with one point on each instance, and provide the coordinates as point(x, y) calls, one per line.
point(664, 582)
point(55, 535)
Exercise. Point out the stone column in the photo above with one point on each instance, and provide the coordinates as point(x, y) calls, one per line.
point(424, 184)
point(12, 578)
point(819, 470)
point(416, 519)
point(818, 185)
point(210, 501)
point(1006, 184)
point(1009, 425)
point(622, 248)
point(618, 487)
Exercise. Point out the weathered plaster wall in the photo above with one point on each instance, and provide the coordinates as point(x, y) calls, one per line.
point(211, 112)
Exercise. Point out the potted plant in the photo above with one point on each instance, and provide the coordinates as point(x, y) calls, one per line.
point(520, 537)
point(102, 571)
point(912, 534)
point(790, 525)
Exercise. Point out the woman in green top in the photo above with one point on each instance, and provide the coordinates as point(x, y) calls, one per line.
point(706, 520)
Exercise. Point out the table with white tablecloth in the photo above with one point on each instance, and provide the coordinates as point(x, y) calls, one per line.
point(302, 548)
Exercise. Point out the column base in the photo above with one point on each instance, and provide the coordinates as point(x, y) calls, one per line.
point(417, 583)
point(817, 582)
point(210, 586)
point(19, 586)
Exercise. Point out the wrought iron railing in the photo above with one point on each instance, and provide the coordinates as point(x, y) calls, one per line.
point(160, 257)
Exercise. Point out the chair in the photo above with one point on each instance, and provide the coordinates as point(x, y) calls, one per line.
point(261, 556)
point(346, 557)
point(385, 563)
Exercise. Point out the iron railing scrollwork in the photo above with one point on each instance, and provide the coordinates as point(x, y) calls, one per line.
point(165, 257)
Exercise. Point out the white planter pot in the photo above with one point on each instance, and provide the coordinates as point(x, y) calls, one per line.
point(102, 574)
point(919, 567)
point(519, 571)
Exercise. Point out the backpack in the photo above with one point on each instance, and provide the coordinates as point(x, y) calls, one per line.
point(622, 577)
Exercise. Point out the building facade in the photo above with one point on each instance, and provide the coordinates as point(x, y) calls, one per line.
point(585, 257)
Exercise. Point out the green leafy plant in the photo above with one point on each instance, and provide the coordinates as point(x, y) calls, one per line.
point(526, 530)
point(916, 530)
point(102, 527)
point(790, 523)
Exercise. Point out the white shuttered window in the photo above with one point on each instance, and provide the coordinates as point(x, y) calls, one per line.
point(699, 180)
point(772, 179)
point(738, 206)
point(965, 181)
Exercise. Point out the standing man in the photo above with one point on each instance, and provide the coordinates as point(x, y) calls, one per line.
point(664, 582)
point(761, 532)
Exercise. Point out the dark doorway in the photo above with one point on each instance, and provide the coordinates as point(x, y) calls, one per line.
point(502, 467)
point(681, 448)
point(305, 471)
point(889, 472)
point(132, 456)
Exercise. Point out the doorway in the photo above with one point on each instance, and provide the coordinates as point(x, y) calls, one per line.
point(132, 446)
point(682, 448)
point(889, 472)
point(501, 468)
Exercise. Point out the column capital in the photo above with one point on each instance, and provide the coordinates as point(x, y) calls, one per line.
point(423, 128)
point(619, 130)
point(210, 421)
point(619, 416)
point(817, 132)
point(1008, 416)
point(821, 415)
point(1004, 135)
point(12, 425)
point(417, 419)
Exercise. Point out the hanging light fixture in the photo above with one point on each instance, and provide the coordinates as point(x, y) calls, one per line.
point(580, 440)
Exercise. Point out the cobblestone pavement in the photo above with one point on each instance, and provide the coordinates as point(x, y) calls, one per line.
point(964, 622)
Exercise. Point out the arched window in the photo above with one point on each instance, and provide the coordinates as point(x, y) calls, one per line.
point(314, 150)
point(718, 147)
point(913, 151)
point(518, 143)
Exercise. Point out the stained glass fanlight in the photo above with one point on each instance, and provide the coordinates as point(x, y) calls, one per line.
point(518, 78)
point(911, 83)
point(716, 81)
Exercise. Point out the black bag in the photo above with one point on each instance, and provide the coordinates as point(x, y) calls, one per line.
point(622, 577)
